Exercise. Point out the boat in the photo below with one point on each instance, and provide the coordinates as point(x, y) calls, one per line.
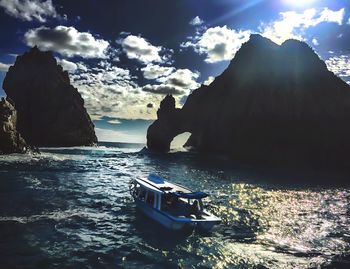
point(172, 205)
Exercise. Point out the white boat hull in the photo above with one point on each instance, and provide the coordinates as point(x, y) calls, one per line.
point(175, 223)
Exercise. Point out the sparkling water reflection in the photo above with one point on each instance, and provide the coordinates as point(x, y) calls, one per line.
point(70, 208)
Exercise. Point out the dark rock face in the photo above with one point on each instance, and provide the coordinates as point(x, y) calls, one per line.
point(50, 111)
point(276, 104)
point(161, 132)
point(10, 140)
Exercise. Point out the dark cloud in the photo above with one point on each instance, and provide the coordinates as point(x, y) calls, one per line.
point(219, 50)
point(29, 10)
point(67, 41)
point(163, 89)
point(178, 82)
point(58, 37)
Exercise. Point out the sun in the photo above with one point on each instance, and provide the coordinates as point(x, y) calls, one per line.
point(299, 3)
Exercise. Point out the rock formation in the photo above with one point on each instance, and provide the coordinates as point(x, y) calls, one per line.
point(10, 140)
point(276, 104)
point(50, 110)
point(161, 132)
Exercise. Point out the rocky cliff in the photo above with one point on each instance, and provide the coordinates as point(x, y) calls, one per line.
point(50, 110)
point(10, 140)
point(276, 104)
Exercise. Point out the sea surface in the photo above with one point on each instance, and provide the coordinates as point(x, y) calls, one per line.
point(70, 208)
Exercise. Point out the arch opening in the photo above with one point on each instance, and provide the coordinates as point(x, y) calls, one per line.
point(179, 140)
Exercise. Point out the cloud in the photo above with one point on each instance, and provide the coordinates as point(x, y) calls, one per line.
point(218, 43)
point(29, 10)
point(196, 21)
point(292, 25)
point(4, 67)
point(178, 79)
point(67, 41)
point(209, 80)
point(182, 78)
point(163, 89)
point(176, 83)
point(137, 47)
point(67, 65)
point(114, 92)
point(340, 65)
point(315, 41)
point(152, 71)
point(111, 91)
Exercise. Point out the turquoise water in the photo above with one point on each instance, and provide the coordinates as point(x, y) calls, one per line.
point(70, 208)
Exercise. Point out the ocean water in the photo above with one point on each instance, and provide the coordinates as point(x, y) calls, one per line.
point(70, 208)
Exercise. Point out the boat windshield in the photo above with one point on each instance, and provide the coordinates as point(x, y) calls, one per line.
point(182, 206)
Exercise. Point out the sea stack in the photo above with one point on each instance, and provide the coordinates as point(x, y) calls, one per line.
point(10, 139)
point(275, 104)
point(169, 124)
point(50, 110)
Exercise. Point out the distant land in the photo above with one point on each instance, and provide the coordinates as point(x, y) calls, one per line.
point(273, 104)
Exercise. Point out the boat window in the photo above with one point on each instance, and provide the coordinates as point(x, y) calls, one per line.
point(150, 198)
point(166, 188)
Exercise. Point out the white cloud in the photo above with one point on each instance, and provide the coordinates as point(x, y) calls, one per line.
point(29, 10)
point(176, 83)
point(292, 25)
point(111, 91)
point(137, 47)
point(328, 15)
point(209, 80)
point(4, 67)
point(196, 21)
point(152, 71)
point(218, 43)
point(67, 41)
point(182, 78)
point(67, 65)
point(340, 65)
point(315, 42)
point(81, 66)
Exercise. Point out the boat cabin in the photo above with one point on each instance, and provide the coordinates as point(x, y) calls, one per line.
point(167, 197)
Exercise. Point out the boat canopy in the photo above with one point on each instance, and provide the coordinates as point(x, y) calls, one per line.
point(156, 179)
point(148, 186)
point(192, 195)
point(159, 185)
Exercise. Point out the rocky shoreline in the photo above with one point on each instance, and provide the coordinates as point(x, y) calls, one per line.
point(10, 139)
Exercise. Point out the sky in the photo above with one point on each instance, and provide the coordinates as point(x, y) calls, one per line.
point(124, 56)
